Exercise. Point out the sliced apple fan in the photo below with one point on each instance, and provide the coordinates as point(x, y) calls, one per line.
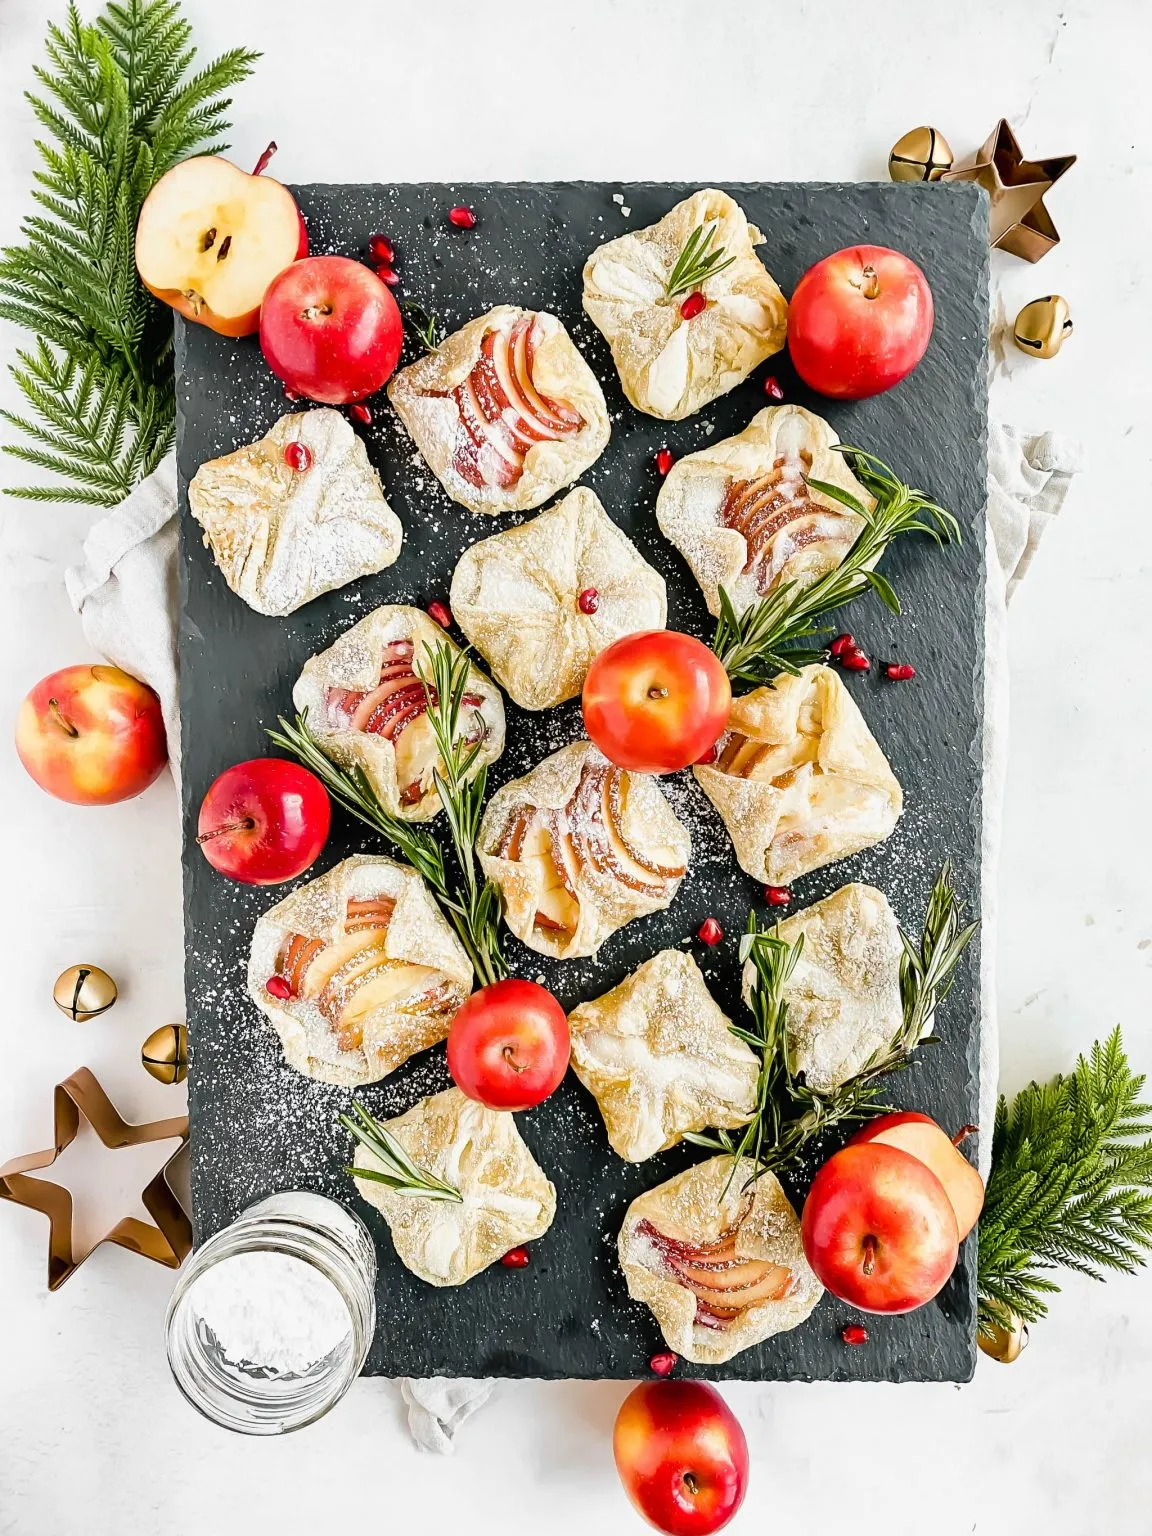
point(505, 410)
point(283, 535)
point(368, 707)
point(578, 848)
point(357, 970)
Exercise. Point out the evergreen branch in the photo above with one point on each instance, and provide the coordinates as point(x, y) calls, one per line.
point(698, 261)
point(400, 1173)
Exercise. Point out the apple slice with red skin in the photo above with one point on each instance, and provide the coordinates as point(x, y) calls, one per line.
point(922, 1138)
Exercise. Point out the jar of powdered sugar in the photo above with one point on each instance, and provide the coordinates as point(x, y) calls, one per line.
point(270, 1323)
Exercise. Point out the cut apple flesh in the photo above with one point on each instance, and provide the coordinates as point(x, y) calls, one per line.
point(535, 837)
point(777, 517)
point(724, 1284)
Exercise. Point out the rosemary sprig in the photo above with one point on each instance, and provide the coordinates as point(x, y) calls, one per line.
point(400, 1172)
point(697, 261)
point(762, 641)
point(422, 323)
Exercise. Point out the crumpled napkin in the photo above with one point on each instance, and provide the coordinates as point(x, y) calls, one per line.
point(126, 592)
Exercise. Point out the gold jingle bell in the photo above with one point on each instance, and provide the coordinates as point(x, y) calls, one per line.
point(165, 1053)
point(84, 992)
point(921, 155)
point(1043, 326)
point(1006, 1342)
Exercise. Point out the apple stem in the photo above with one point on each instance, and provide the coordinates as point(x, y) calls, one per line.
point(869, 1254)
point(314, 311)
point(871, 283)
point(963, 1134)
point(509, 1055)
point(262, 163)
point(691, 1484)
point(233, 826)
point(657, 693)
point(62, 719)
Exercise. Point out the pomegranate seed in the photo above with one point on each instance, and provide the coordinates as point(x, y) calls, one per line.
point(441, 613)
point(361, 413)
point(278, 986)
point(388, 275)
point(663, 1365)
point(298, 456)
point(695, 304)
point(710, 931)
point(589, 600)
point(899, 671)
point(381, 250)
point(773, 387)
point(516, 1258)
point(664, 460)
point(841, 644)
point(777, 895)
point(855, 660)
point(855, 1333)
point(462, 218)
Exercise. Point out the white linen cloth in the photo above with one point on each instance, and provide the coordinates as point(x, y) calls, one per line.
point(126, 593)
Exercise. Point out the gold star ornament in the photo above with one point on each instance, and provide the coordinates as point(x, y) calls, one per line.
point(1018, 220)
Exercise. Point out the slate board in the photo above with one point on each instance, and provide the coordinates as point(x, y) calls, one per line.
point(257, 1126)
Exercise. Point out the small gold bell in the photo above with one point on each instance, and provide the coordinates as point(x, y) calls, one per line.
point(1043, 326)
point(165, 1053)
point(84, 992)
point(921, 155)
point(1006, 1342)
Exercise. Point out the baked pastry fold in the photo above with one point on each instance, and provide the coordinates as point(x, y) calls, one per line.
point(721, 1266)
point(743, 515)
point(799, 779)
point(367, 707)
point(357, 970)
point(507, 1199)
point(505, 411)
point(669, 365)
point(659, 1057)
point(282, 535)
point(843, 996)
point(517, 597)
point(578, 848)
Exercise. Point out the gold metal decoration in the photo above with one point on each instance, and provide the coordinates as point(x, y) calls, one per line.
point(167, 1243)
point(84, 992)
point(1043, 326)
point(1007, 1342)
point(921, 155)
point(1018, 220)
point(165, 1053)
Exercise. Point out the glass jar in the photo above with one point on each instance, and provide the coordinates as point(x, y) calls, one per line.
point(271, 1321)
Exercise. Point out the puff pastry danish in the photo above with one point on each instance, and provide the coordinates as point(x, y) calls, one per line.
point(580, 847)
point(799, 779)
point(743, 515)
point(505, 410)
point(844, 994)
point(507, 1199)
point(671, 365)
point(518, 598)
point(357, 971)
point(368, 707)
point(295, 514)
point(659, 1057)
point(721, 1266)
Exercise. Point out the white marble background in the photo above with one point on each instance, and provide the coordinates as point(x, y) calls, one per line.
point(93, 1435)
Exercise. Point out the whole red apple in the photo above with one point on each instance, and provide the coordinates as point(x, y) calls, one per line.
point(681, 1456)
point(879, 1230)
point(508, 1046)
point(859, 321)
point(922, 1138)
point(656, 701)
point(330, 329)
point(91, 735)
point(264, 821)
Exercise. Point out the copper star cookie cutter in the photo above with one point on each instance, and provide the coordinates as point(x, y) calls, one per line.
point(168, 1242)
point(1017, 218)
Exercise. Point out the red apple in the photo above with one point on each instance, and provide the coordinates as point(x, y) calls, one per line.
point(656, 701)
point(923, 1139)
point(210, 238)
point(859, 321)
point(879, 1230)
point(681, 1456)
point(264, 821)
point(91, 735)
point(508, 1045)
point(330, 329)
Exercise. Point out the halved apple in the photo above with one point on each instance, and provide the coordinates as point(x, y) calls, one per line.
point(923, 1139)
point(210, 239)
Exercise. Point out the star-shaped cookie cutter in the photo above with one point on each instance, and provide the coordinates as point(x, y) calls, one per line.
point(1017, 219)
point(167, 1243)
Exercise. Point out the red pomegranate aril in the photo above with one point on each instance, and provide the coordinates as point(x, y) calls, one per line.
point(777, 895)
point(462, 218)
point(388, 275)
point(298, 456)
point(773, 388)
point(900, 671)
point(663, 1364)
point(516, 1258)
point(855, 660)
point(664, 460)
point(381, 250)
point(841, 644)
point(695, 304)
point(441, 613)
point(278, 986)
point(854, 1333)
point(361, 413)
point(589, 600)
point(710, 931)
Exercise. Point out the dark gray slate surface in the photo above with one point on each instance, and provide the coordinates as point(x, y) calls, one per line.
point(258, 1126)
